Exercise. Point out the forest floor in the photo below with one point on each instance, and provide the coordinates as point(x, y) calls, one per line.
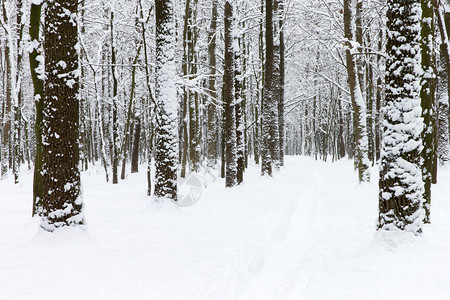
point(307, 233)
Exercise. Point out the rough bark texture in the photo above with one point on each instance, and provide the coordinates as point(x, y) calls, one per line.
point(401, 185)
point(7, 116)
point(427, 102)
point(212, 119)
point(281, 90)
point(358, 103)
point(230, 117)
point(238, 101)
point(166, 145)
point(115, 124)
point(38, 85)
point(443, 150)
point(62, 202)
point(269, 135)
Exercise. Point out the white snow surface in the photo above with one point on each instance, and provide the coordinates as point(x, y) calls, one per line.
point(307, 233)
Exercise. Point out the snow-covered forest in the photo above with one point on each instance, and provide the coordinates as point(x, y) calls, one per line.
point(224, 149)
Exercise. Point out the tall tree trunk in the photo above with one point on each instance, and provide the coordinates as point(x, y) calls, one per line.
point(62, 201)
point(194, 115)
point(358, 103)
point(276, 87)
point(18, 93)
point(230, 114)
point(212, 119)
point(115, 122)
point(427, 101)
point(127, 129)
point(36, 69)
point(269, 99)
point(187, 40)
point(401, 185)
point(282, 79)
point(443, 150)
point(166, 147)
point(238, 111)
point(378, 102)
point(7, 116)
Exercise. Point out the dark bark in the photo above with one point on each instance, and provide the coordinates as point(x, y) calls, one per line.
point(212, 119)
point(7, 116)
point(136, 142)
point(239, 118)
point(62, 202)
point(427, 102)
point(38, 85)
point(281, 91)
point(115, 124)
point(129, 115)
point(268, 99)
point(401, 186)
point(166, 140)
point(230, 117)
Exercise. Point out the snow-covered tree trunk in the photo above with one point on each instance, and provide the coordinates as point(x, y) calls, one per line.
point(427, 101)
point(443, 149)
point(115, 123)
point(36, 69)
point(238, 101)
point(276, 86)
point(230, 113)
point(269, 134)
point(281, 5)
point(7, 108)
point(18, 99)
point(401, 185)
point(443, 93)
point(358, 103)
point(212, 118)
point(166, 142)
point(62, 201)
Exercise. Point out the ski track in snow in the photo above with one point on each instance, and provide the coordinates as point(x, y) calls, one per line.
point(307, 233)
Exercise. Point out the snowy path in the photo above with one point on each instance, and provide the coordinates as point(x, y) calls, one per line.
point(306, 233)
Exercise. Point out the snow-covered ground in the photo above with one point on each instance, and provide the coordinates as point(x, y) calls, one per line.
point(307, 233)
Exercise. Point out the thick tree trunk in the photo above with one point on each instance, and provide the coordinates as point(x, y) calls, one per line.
point(401, 185)
point(166, 144)
point(269, 144)
point(62, 202)
point(282, 80)
point(443, 150)
point(230, 116)
point(427, 102)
